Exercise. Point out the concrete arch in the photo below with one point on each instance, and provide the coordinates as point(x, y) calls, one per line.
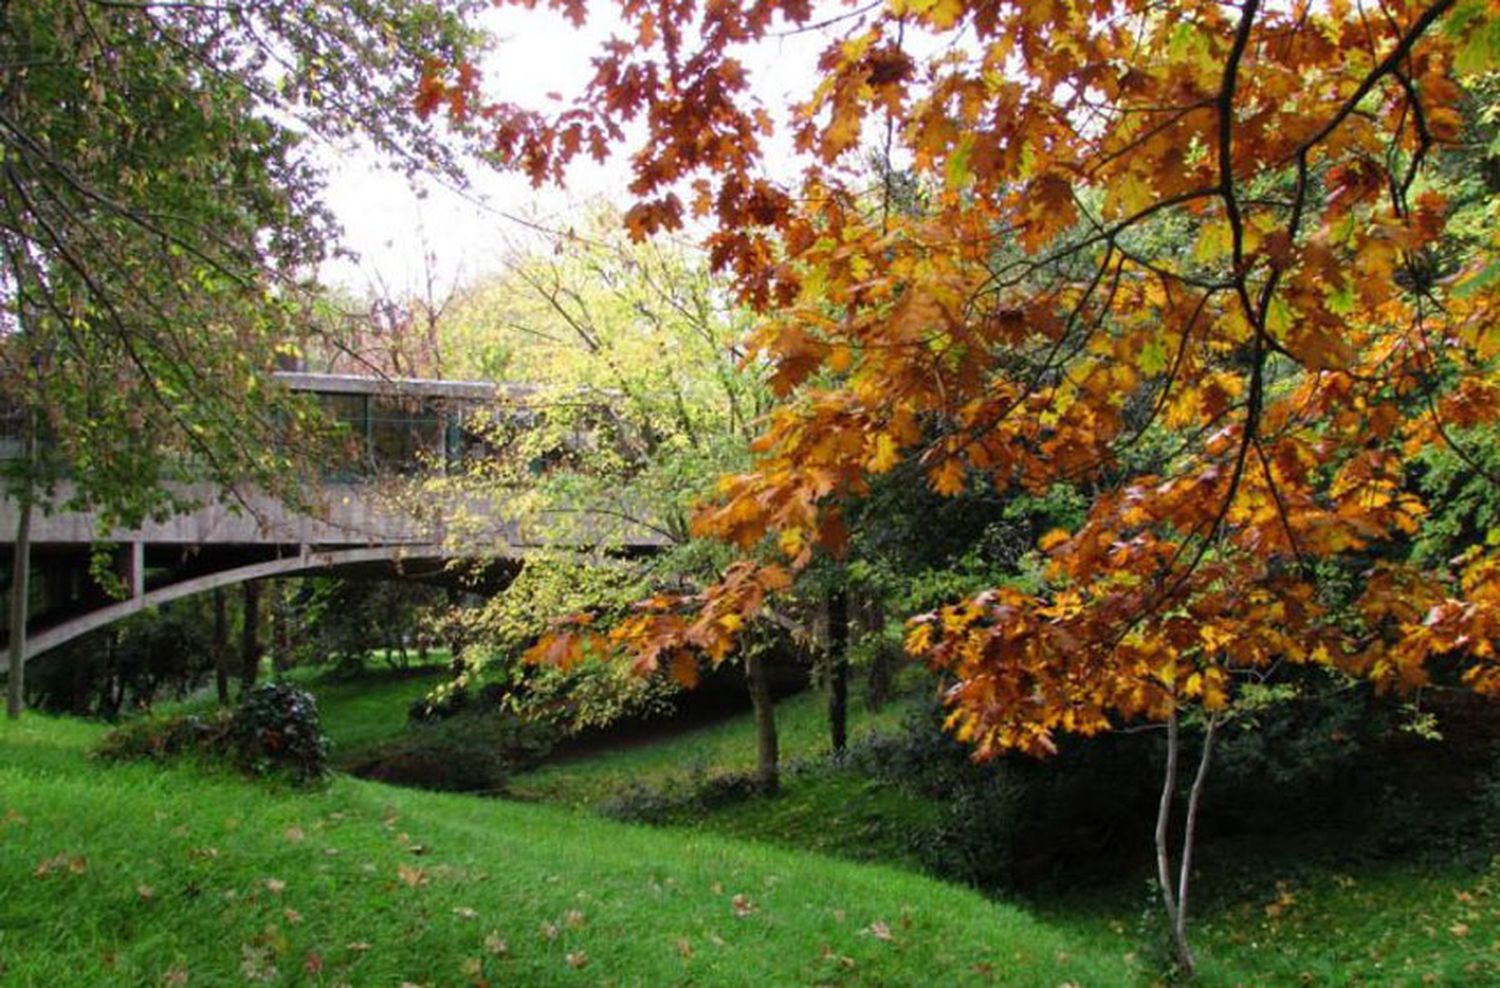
point(308, 561)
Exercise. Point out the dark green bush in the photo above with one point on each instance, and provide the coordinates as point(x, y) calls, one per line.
point(679, 796)
point(636, 802)
point(275, 729)
point(473, 751)
point(161, 738)
point(973, 838)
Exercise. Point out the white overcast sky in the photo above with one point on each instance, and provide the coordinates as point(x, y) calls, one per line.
point(392, 225)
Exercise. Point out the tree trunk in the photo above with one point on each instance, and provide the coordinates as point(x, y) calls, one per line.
point(20, 583)
point(878, 686)
point(767, 771)
point(1176, 904)
point(838, 670)
point(114, 683)
point(281, 638)
point(221, 646)
point(1189, 838)
point(250, 638)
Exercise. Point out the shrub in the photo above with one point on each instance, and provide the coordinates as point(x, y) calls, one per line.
point(472, 751)
point(161, 738)
point(678, 796)
point(275, 729)
point(636, 802)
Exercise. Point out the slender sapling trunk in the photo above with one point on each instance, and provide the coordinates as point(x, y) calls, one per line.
point(1176, 903)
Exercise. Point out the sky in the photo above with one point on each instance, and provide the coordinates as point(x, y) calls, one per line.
point(394, 224)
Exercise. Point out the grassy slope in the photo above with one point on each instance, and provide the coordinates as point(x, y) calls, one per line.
point(1262, 917)
point(179, 874)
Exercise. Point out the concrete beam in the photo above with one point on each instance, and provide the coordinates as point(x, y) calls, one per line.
point(306, 561)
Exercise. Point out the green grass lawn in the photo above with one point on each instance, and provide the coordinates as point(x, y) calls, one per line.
point(1267, 916)
point(142, 874)
point(1264, 915)
point(657, 905)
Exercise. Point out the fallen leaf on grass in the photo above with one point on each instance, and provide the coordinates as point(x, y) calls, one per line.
point(880, 930)
point(684, 948)
point(257, 963)
point(574, 919)
point(313, 964)
point(174, 976)
point(464, 912)
point(742, 905)
point(412, 876)
point(548, 931)
point(145, 891)
point(496, 944)
point(577, 959)
point(293, 834)
point(275, 886)
point(292, 916)
point(358, 946)
point(76, 864)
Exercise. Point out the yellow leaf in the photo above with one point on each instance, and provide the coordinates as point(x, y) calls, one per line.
point(1053, 539)
point(884, 456)
point(1214, 241)
point(948, 479)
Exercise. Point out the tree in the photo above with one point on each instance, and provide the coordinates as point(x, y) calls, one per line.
point(160, 228)
point(1210, 232)
point(636, 403)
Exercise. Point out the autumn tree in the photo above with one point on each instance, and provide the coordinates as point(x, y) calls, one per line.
point(160, 228)
point(1209, 228)
point(635, 402)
